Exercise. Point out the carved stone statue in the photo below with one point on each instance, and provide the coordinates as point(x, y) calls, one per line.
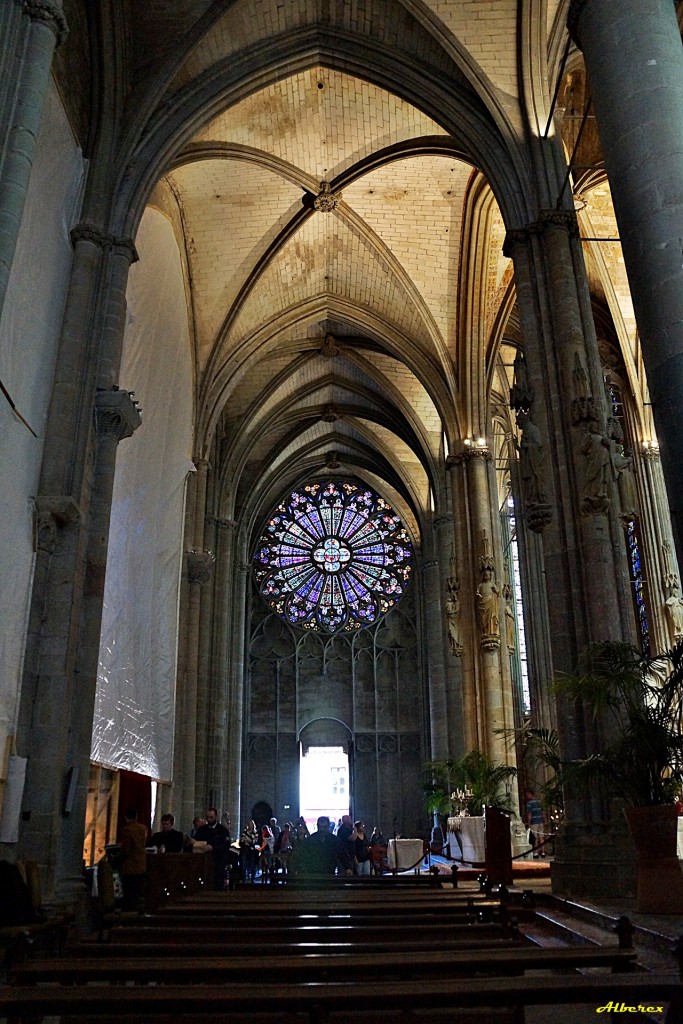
point(674, 611)
point(510, 636)
point(453, 617)
point(531, 460)
point(626, 482)
point(488, 603)
point(598, 471)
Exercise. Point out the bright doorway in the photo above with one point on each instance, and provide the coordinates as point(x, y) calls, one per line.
point(324, 784)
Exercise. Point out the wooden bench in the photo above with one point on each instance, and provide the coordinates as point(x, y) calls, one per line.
point(411, 929)
point(321, 966)
point(485, 937)
point(320, 1001)
point(291, 916)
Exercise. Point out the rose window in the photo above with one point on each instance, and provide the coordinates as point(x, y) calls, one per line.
point(333, 556)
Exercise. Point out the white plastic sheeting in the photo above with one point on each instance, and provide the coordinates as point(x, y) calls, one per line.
point(134, 711)
point(29, 337)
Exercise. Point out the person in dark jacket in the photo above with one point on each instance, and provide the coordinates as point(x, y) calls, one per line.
point(217, 839)
point(170, 840)
point(321, 853)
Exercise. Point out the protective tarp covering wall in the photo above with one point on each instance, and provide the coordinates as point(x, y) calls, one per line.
point(29, 336)
point(134, 708)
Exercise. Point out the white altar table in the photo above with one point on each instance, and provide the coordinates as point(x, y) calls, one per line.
point(403, 854)
point(467, 839)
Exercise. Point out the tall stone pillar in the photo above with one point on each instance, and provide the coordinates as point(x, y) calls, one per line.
point(568, 487)
point(199, 572)
point(464, 626)
point(29, 32)
point(237, 668)
point(451, 632)
point(116, 417)
point(217, 747)
point(634, 58)
point(487, 703)
point(72, 525)
point(438, 712)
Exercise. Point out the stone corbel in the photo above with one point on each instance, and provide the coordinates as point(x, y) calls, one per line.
point(51, 513)
point(200, 566)
point(117, 414)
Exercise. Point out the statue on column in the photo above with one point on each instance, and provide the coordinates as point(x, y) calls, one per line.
point(453, 610)
point(488, 600)
point(626, 483)
point(673, 607)
point(532, 471)
point(510, 632)
point(598, 471)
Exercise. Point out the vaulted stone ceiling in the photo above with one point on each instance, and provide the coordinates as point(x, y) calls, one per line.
point(362, 334)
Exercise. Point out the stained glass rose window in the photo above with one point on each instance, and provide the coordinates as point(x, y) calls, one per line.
point(333, 556)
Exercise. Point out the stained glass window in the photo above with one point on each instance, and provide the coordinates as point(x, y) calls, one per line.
point(638, 584)
point(333, 556)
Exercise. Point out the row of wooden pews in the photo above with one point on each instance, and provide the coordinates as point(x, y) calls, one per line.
point(327, 954)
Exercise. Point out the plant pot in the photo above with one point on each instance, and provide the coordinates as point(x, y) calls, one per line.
point(660, 875)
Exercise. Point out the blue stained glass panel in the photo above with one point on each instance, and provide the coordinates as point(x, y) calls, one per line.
point(333, 556)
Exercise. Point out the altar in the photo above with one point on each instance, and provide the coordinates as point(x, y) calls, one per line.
point(467, 839)
point(403, 854)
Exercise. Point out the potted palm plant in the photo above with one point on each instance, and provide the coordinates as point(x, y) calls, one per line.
point(638, 705)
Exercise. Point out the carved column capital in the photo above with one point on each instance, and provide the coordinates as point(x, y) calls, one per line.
point(85, 232)
point(50, 13)
point(454, 461)
point(559, 219)
point(116, 414)
point(52, 512)
point(513, 238)
point(576, 9)
point(200, 566)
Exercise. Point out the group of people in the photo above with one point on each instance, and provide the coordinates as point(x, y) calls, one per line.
point(257, 850)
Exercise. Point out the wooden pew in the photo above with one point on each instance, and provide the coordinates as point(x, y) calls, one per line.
point(232, 933)
point(485, 937)
point(321, 966)
point(319, 1002)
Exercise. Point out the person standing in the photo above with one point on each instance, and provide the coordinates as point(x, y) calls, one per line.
point(361, 850)
point(133, 863)
point(217, 839)
point(248, 854)
point(321, 853)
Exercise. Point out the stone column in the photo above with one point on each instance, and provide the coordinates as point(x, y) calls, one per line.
point(438, 712)
point(237, 669)
point(218, 753)
point(29, 32)
point(452, 635)
point(462, 570)
point(199, 572)
point(116, 417)
point(634, 58)
point(67, 572)
point(485, 680)
point(198, 624)
point(584, 563)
